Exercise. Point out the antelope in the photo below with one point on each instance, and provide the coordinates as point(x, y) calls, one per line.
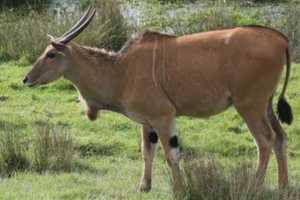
point(157, 77)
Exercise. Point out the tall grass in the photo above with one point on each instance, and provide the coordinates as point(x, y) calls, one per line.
point(51, 149)
point(207, 179)
point(12, 153)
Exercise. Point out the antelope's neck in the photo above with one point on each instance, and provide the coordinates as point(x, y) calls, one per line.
point(100, 83)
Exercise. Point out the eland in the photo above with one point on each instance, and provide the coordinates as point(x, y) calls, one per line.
point(157, 77)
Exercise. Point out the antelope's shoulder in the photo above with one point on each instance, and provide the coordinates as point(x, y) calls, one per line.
point(144, 37)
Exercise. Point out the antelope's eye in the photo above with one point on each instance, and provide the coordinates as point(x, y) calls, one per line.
point(50, 55)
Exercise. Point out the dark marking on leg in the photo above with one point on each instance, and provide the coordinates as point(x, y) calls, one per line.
point(174, 141)
point(153, 137)
point(92, 113)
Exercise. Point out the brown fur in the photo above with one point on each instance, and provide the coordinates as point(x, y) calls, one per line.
point(157, 77)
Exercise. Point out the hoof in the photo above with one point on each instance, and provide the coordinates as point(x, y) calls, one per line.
point(145, 186)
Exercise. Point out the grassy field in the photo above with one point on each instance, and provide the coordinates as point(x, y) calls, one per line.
point(107, 162)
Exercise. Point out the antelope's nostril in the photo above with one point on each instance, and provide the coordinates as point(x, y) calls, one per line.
point(25, 80)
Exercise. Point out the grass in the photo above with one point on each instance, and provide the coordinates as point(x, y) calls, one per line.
point(12, 156)
point(107, 162)
point(50, 149)
point(208, 179)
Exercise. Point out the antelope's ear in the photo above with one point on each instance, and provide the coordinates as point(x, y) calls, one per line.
point(58, 45)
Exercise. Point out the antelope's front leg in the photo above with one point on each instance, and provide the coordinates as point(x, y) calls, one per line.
point(169, 140)
point(149, 141)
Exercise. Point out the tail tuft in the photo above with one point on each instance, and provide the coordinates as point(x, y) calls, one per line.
point(284, 111)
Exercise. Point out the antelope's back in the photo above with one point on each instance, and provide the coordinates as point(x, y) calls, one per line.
point(205, 71)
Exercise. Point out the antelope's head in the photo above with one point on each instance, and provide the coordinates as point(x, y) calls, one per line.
point(56, 59)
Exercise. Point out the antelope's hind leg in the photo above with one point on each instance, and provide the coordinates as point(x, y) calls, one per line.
point(149, 141)
point(256, 118)
point(279, 148)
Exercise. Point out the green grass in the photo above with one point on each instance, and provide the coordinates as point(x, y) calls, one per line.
point(107, 164)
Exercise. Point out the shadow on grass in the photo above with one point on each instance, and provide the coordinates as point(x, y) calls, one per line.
point(16, 86)
point(98, 149)
point(81, 166)
point(3, 98)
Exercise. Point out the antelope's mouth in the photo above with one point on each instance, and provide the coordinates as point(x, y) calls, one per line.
point(30, 84)
point(27, 82)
